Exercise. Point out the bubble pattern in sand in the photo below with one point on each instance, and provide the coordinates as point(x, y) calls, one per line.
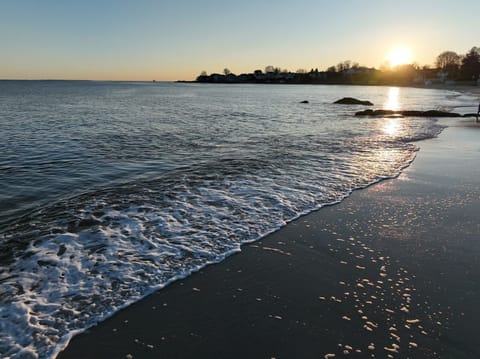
point(383, 307)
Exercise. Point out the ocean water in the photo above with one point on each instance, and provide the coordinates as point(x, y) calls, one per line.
point(109, 191)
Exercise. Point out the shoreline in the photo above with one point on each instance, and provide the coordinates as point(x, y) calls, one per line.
point(472, 89)
point(465, 89)
point(400, 253)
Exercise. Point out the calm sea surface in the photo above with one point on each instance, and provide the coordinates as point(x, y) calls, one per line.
point(109, 191)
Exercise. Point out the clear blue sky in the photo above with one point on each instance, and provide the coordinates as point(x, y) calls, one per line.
point(177, 39)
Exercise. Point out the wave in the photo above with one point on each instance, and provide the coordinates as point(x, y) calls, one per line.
point(69, 265)
point(168, 187)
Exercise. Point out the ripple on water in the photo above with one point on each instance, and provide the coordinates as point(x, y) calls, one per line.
point(192, 192)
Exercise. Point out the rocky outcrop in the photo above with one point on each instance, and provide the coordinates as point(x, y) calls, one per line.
point(304, 101)
point(376, 113)
point(352, 101)
point(407, 113)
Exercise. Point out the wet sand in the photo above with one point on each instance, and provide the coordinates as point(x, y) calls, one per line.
point(391, 272)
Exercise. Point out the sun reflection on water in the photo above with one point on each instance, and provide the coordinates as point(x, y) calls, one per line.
point(391, 126)
point(392, 102)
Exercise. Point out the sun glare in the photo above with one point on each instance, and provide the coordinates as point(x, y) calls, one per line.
point(392, 102)
point(399, 56)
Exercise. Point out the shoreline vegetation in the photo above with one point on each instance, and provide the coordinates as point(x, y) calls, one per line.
point(450, 69)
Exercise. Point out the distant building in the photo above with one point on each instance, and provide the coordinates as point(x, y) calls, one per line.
point(259, 75)
point(231, 78)
point(218, 77)
point(246, 78)
point(203, 78)
point(442, 76)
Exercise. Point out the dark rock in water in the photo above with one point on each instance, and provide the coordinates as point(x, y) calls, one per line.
point(305, 101)
point(408, 113)
point(434, 113)
point(387, 112)
point(470, 115)
point(376, 113)
point(365, 113)
point(412, 113)
point(352, 101)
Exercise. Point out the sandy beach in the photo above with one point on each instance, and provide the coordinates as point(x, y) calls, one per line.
point(391, 272)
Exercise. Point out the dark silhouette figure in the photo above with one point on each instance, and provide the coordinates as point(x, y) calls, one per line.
point(478, 111)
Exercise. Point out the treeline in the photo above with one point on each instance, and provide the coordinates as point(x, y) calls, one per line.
point(460, 67)
point(449, 67)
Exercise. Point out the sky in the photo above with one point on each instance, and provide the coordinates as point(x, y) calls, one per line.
point(178, 39)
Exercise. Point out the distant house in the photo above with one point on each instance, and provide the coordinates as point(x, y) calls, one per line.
point(203, 78)
point(316, 75)
point(426, 76)
point(289, 76)
point(218, 77)
point(231, 78)
point(361, 70)
point(442, 76)
point(246, 78)
point(259, 75)
point(270, 76)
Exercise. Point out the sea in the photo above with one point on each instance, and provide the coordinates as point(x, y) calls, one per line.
point(112, 190)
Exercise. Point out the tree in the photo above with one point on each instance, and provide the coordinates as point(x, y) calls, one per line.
point(226, 71)
point(470, 69)
point(447, 59)
point(344, 66)
point(269, 69)
point(203, 73)
point(449, 62)
point(332, 69)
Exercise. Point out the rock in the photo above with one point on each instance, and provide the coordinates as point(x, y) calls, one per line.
point(407, 113)
point(365, 113)
point(352, 101)
point(434, 113)
point(376, 113)
point(411, 113)
point(470, 115)
point(304, 101)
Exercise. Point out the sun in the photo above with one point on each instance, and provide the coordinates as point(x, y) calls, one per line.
point(399, 56)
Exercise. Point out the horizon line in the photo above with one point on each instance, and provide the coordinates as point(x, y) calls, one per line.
point(90, 80)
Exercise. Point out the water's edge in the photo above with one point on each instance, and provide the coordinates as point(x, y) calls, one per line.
point(63, 344)
point(113, 191)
